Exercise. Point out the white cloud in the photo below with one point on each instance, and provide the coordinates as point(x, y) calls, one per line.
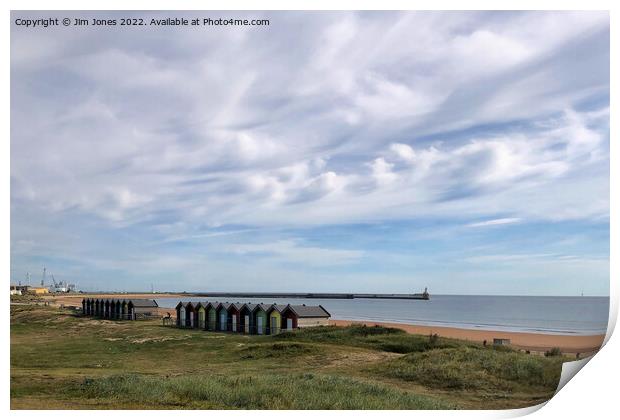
point(403, 151)
point(289, 251)
point(477, 117)
point(495, 222)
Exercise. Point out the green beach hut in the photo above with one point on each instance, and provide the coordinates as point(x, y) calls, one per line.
point(211, 311)
point(260, 318)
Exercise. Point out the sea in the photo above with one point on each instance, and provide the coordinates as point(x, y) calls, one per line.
point(533, 314)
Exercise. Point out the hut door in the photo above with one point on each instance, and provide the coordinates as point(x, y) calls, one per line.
point(201, 319)
point(247, 324)
point(234, 323)
point(191, 320)
point(182, 312)
point(223, 321)
point(274, 325)
point(259, 321)
point(289, 324)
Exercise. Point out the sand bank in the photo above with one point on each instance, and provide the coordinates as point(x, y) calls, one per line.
point(583, 344)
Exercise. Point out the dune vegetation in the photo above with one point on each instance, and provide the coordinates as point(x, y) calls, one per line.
point(62, 360)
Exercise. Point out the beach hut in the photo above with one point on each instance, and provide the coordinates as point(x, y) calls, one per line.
point(275, 318)
point(141, 308)
point(260, 318)
point(246, 320)
point(181, 314)
point(202, 315)
point(191, 314)
point(106, 308)
point(222, 316)
point(234, 312)
point(211, 311)
point(124, 310)
point(117, 309)
point(91, 306)
point(110, 308)
point(299, 316)
point(100, 313)
point(83, 306)
point(210, 315)
point(112, 314)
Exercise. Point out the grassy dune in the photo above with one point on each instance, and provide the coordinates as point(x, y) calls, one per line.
point(59, 360)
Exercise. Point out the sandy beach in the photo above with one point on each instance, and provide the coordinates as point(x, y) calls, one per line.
point(571, 344)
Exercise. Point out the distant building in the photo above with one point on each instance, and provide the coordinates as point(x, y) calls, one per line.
point(16, 290)
point(38, 290)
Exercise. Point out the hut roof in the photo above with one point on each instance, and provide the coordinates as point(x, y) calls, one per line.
point(303, 311)
point(250, 306)
point(143, 303)
point(279, 308)
point(237, 306)
point(264, 307)
point(225, 305)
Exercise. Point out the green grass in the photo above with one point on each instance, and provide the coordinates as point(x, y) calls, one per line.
point(59, 360)
point(277, 350)
point(265, 391)
point(373, 337)
point(475, 369)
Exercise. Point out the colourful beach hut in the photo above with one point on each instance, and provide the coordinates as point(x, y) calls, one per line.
point(192, 315)
point(246, 320)
point(202, 315)
point(275, 318)
point(234, 314)
point(260, 318)
point(222, 316)
point(211, 311)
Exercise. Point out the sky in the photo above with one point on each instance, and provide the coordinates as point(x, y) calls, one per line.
point(327, 152)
